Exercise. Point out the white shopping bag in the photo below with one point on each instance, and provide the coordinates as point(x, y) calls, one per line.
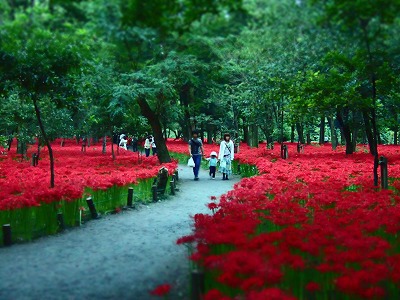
point(191, 163)
point(222, 164)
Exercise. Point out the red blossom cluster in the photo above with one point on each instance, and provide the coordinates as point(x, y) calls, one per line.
point(23, 185)
point(161, 290)
point(309, 227)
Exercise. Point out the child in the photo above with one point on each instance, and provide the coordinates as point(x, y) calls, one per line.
point(212, 162)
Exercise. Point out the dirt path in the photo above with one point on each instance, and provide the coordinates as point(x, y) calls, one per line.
point(117, 257)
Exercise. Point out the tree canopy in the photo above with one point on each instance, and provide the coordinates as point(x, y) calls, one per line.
point(261, 69)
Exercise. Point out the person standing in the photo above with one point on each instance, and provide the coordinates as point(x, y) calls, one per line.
point(226, 156)
point(123, 142)
point(121, 136)
point(147, 145)
point(153, 146)
point(196, 151)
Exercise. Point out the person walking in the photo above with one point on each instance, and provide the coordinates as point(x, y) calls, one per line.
point(212, 164)
point(147, 145)
point(226, 156)
point(196, 151)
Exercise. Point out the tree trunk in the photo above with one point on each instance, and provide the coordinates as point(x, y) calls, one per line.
point(346, 133)
point(112, 145)
point(38, 149)
point(334, 140)
point(148, 113)
point(300, 133)
point(185, 99)
point(209, 137)
point(253, 136)
point(354, 138)
point(308, 135)
point(104, 150)
point(46, 141)
point(322, 131)
point(246, 135)
point(369, 133)
point(292, 129)
point(395, 136)
point(10, 140)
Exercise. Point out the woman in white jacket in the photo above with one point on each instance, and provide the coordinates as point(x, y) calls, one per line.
point(226, 156)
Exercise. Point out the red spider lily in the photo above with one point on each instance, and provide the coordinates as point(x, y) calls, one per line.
point(161, 290)
point(312, 287)
point(312, 223)
point(215, 295)
point(185, 240)
point(25, 186)
point(212, 206)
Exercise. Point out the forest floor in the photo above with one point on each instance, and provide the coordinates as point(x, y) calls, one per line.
point(121, 256)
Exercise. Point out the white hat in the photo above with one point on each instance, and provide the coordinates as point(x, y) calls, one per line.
point(213, 153)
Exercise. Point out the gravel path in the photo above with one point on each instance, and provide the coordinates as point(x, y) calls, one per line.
point(116, 257)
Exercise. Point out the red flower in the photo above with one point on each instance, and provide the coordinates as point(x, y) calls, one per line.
point(215, 294)
point(212, 206)
point(312, 287)
point(161, 290)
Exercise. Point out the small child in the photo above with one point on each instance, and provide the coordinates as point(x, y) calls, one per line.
point(212, 162)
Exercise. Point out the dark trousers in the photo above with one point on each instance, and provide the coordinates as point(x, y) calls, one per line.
point(212, 171)
point(197, 162)
point(147, 151)
point(154, 151)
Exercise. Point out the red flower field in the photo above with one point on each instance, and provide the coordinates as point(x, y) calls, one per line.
point(309, 227)
point(23, 185)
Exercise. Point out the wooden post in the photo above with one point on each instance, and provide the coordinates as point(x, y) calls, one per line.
point(92, 208)
point(130, 197)
point(172, 186)
point(33, 163)
point(384, 172)
point(155, 193)
point(7, 237)
point(177, 175)
point(61, 223)
point(198, 286)
point(284, 151)
point(174, 178)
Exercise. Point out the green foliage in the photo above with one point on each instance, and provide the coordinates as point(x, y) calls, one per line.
point(261, 69)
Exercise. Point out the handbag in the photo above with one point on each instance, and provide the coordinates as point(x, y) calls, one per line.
point(191, 163)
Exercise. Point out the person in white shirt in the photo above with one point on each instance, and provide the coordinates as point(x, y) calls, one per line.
point(154, 147)
point(147, 145)
point(123, 142)
point(226, 156)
